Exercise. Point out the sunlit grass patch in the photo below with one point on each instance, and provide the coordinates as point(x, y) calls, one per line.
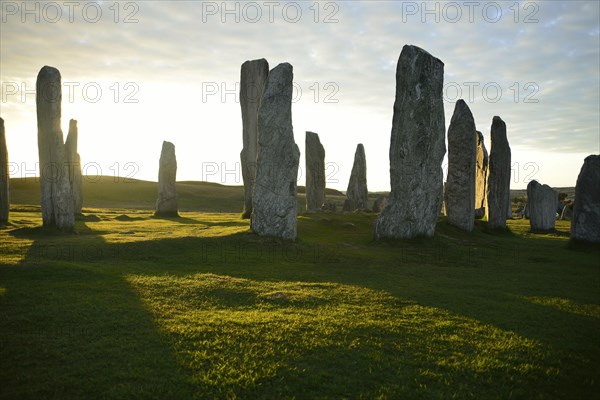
point(566, 305)
point(233, 334)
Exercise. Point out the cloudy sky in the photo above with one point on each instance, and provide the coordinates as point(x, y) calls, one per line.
point(140, 72)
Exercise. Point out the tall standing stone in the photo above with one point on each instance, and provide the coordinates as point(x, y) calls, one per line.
point(417, 148)
point(585, 222)
point(481, 177)
point(252, 83)
point(4, 178)
point(274, 198)
point(462, 166)
point(166, 205)
point(542, 201)
point(56, 196)
point(315, 172)
point(74, 165)
point(357, 193)
point(498, 193)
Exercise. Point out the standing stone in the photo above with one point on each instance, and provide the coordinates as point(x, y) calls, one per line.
point(585, 222)
point(498, 191)
point(252, 83)
point(357, 193)
point(166, 205)
point(417, 148)
point(462, 166)
point(4, 178)
point(542, 201)
point(379, 204)
point(315, 172)
point(56, 196)
point(274, 199)
point(74, 165)
point(481, 177)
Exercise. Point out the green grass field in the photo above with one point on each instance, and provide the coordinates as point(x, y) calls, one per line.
point(197, 307)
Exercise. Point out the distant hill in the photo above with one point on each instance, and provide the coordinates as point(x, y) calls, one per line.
point(110, 192)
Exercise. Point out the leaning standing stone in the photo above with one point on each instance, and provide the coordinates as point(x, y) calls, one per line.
point(585, 222)
point(252, 83)
point(417, 148)
point(357, 193)
point(462, 164)
point(274, 198)
point(166, 205)
point(498, 195)
point(542, 201)
point(74, 165)
point(56, 196)
point(4, 178)
point(481, 177)
point(315, 172)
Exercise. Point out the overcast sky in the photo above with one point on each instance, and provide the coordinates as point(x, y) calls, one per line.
point(137, 73)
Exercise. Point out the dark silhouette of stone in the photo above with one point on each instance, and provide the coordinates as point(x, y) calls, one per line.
point(481, 177)
point(567, 212)
point(498, 195)
point(56, 197)
point(357, 193)
point(379, 204)
point(166, 205)
point(253, 78)
point(542, 201)
point(274, 199)
point(585, 223)
point(417, 148)
point(462, 165)
point(329, 206)
point(315, 172)
point(74, 165)
point(4, 178)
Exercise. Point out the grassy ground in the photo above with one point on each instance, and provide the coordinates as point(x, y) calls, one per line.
point(197, 307)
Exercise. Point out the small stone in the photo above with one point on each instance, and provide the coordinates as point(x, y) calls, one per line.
point(379, 204)
point(542, 201)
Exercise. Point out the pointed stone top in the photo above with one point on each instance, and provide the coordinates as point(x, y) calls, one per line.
point(312, 136)
point(72, 123)
point(257, 61)
point(168, 145)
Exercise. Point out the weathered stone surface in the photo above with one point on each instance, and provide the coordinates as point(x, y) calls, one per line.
point(481, 177)
point(253, 78)
point(462, 165)
point(274, 198)
point(4, 179)
point(56, 197)
point(357, 193)
point(315, 172)
point(585, 224)
point(74, 165)
point(166, 205)
point(498, 191)
point(542, 201)
point(380, 204)
point(417, 148)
